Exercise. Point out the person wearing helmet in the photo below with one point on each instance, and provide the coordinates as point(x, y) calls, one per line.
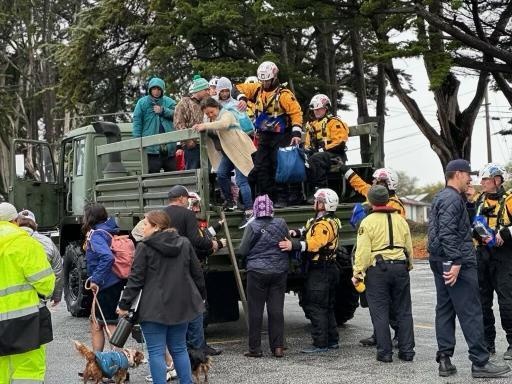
point(326, 137)
point(213, 86)
point(278, 122)
point(493, 210)
point(153, 114)
point(382, 176)
point(383, 258)
point(318, 240)
point(188, 112)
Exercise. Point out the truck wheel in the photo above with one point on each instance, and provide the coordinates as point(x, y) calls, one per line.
point(78, 300)
point(347, 298)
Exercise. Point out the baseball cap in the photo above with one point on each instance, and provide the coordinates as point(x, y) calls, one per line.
point(178, 191)
point(460, 165)
point(8, 212)
point(28, 214)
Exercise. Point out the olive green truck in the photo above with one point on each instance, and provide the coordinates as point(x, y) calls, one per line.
point(103, 163)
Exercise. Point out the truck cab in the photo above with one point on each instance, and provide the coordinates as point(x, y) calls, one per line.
point(102, 163)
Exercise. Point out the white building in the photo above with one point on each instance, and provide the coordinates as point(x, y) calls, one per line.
point(416, 209)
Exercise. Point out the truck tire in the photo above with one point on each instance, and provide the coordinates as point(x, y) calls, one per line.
point(78, 300)
point(347, 298)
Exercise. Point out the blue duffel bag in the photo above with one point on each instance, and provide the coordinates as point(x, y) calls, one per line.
point(290, 165)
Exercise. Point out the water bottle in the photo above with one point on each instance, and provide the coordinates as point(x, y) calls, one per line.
point(123, 330)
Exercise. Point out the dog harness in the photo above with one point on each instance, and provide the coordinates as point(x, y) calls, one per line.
point(110, 362)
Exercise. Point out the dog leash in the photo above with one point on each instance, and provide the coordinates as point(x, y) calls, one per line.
point(95, 302)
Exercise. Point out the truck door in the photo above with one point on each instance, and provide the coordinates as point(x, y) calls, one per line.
point(33, 181)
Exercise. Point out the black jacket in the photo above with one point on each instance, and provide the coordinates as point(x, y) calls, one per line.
point(185, 222)
point(167, 270)
point(449, 229)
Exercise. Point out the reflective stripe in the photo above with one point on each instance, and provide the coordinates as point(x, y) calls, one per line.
point(15, 288)
point(26, 381)
point(39, 275)
point(18, 313)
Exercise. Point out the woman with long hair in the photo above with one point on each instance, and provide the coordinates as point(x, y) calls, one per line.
point(169, 274)
point(98, 229)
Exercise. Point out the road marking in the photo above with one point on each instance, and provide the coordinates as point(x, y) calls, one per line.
point(423, 326)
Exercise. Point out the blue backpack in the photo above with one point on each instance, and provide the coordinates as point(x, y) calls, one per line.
point(243, 120)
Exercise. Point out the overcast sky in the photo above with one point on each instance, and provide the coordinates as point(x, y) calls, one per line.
point(406, 149)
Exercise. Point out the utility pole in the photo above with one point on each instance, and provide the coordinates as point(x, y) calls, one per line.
point(487, 126)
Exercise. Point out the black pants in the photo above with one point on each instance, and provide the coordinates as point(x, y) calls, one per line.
point(388, 290)
point(266, 288)
point(159, 161)
point(319, 165)
point(461, 300)
point(192, 158)
point(265, 166)
point(495, 274)
point(318, 302)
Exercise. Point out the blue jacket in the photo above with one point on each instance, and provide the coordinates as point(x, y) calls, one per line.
point(260, 244)
point(110, 362)
point(146, 122)
point(99, 255)
point(449, 229)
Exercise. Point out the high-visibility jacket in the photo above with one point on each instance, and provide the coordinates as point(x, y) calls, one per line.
point(282, 103)
point(321, 237)
point(377, 237)
point(329, 133)
point(363, 187)
point(26, 275)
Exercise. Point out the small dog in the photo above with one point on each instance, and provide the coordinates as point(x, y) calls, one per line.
point(93, 368)
point(200, 364)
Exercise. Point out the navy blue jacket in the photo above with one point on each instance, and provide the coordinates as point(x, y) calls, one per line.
point(260, 244)
point(449, 229)
point(99, 255)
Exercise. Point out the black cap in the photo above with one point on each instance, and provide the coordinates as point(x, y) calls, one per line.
point(460, 165)
point(178, 191)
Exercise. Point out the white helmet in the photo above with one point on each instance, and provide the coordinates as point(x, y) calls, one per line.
point(213, 82)
point(193, 199)
point(388, 175)
point(492, 170)
point(267, 71)
point(328, 197)
point(252, 79)
point(320, 101)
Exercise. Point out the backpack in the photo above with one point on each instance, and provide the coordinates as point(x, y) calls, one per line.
point(122, 249)
point(242, 119)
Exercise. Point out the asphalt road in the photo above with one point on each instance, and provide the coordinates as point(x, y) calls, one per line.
point(352, 363)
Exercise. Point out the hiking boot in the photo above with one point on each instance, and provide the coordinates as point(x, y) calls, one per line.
point(253, 354)
point(446, 368)
point(489, 370)
point(248, 217)
point(406, 356)
point(385, 358)
point(369, 342)
point(228, 206)
point(278, 352)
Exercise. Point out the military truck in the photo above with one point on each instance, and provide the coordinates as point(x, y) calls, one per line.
point(102, 163)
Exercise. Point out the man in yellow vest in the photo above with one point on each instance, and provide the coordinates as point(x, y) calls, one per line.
point(26, 277)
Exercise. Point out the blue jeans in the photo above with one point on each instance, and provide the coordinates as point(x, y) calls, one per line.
point(192, 158)
point(224, 178)
point(195, 333)
point(158, 336)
